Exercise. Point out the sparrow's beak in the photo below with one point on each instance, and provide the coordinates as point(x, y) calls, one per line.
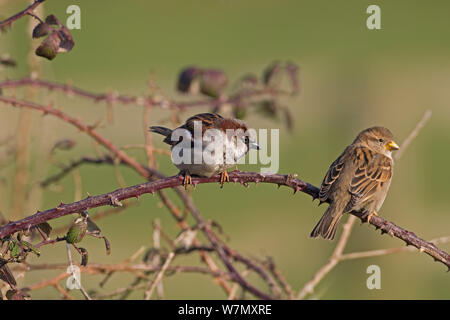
point(253, 145)
point(391, 145)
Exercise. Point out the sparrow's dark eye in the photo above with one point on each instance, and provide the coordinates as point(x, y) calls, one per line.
point(380, 140)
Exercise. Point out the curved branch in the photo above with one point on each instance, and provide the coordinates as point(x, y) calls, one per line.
point(8, 22)
point(146, 173)
point(241, 177)
point(146, 101)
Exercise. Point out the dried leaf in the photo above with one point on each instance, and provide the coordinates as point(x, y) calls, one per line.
point(52, 19)
point(64, 144)
point(212, 82)
point(268, 108)
point(6, 61)
point(188, 80)
point(45, 228)
point(59, 40)
point(49, 47)
point(249, 81)
point(272, 75)
point(42, 29)
point(292, 72)
point(92, 227)
point(66, 38)
point(84, 256)
point(288, 118)
point(17, 295)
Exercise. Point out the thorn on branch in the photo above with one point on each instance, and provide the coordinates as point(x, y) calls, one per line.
point(114, 201)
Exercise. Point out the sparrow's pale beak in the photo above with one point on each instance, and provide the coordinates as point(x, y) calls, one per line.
point(253, 145)
point(391, 145)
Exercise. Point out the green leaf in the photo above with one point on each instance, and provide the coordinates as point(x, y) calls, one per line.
point(77, 231)
point(107, 245)
point(14, 249)
point(31, 247)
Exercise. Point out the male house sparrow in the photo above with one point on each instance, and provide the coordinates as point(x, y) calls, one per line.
point(358, 180)
point(204, 132)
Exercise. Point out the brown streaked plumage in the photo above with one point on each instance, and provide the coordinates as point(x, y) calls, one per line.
point(358, 180)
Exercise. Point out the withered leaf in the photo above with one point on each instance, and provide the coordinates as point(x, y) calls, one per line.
point(45, 228)
point(212, 82)
point(188, 80)
point(268, 108)
point(272, 75)
point(42, 29)
point(17, 295)
point(92, 227)
point(288, 118)
point(59, 38)
point(292, 72)
point(107, 245)
point(49, 47)
point(84, 256)
point(64, 144)
point(52, 19)
point(6, 61)
point(66, 38)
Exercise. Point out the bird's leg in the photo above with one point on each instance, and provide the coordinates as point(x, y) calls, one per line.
point(370, 215)
point(187, 179)
point(224, 177)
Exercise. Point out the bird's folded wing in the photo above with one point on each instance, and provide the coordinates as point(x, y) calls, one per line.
point(372, 171)
point(333, 174)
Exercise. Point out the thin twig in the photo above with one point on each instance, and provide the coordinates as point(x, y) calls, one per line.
point(308, 288)
point(8, 22)
point(159, 277)
point(413, 134)
point(337, 254)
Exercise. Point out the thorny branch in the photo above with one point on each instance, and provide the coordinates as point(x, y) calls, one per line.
point(28, 11)
point(338, 255)
point(145, 101)
point(235, 177)
point(158, 182)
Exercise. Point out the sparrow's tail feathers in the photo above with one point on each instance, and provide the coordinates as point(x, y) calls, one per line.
point(161, 130)
point(327, 225)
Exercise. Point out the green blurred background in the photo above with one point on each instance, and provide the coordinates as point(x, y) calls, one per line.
point(351, 78)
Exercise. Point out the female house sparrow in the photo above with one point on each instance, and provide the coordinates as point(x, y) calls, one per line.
point(206, 132)
point(358, 180)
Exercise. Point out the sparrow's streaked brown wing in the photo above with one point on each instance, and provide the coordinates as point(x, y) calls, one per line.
point(333, 174)
point(372, 171)
point(207, 120)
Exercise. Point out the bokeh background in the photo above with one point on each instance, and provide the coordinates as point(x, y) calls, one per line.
point(351, 78)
